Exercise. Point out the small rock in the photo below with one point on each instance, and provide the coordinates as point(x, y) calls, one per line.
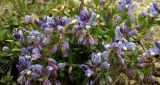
point(157, 65)
point(158, 80)
point(132, 82)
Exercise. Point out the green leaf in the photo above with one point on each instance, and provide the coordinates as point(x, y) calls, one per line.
point(96, 2)
point(62, 73)
point(128, 22)
point(21, 7)
point(3, 34)
point(16, 49)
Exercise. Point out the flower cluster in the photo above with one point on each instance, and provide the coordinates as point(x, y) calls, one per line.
point(85, 21)
point(149, 55)
point(126, 5)
point(98, 62)
point(153, 10)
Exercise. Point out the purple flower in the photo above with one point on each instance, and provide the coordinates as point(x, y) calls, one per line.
point(155, 5)
point(92, 41)
point(96, 59)
point(25, 51)
point(24, 62)
point(141, 60)
point(52, 63)
point(65, 44)
point(76, 27)
point(60, 28)
point(27, 81)
point(40, 44)
point(141, 65)
point(24, 78)
point(105, 54)
point(28, 19)
point(118, 18)
point(144, 12)
point(48, 70)
point(81, 38)
point(44, 25)
point(38, 22)
point(108, 46)
point(90, 83)
point(34, 75)
point(47, 19)
point(125, 31)
point(102, 1)
point(36, 51)
point(126, 4)
point(151, 78)
point(139, 0)
point(157, 43)
point(64, 52)
point(121, 60)
point(86, 18)
point(153, 11)
point(62, 21)
point(154, 51)
point(138, 27)
point(89, 72)
point(47, 82)
point(130, 71)
point(84, 66)
point(48, 31)
point(20, 79)
point(38, 68)
point(30, 39)
point(105, 65)
point(54, 48)
point(46, 41)
point(133, 32)
point(118, 39)
point(128, 46)
point(65, 48)
point(61, 65)
point(34, 33)
point(19, 35)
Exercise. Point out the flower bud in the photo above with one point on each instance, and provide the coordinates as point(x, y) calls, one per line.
point(133, 32)
point(38, 22)
point(96, 59)
point(76, 27)
point(89, 72)
point(54, 48)
point(48, 31)
point(20, 79)
point(102, 1)
point(157, 43)
point(61, 65)
point(155, 5)
point(28, 19)
point(105, 54)
point(5, 48)
point(141, 65)
point(105, 65)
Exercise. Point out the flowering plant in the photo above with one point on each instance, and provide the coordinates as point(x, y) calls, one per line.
point(95, 46)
